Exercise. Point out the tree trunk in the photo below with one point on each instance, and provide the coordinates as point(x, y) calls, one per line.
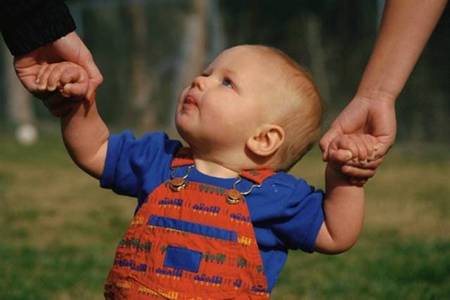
point(18, 102)
point(193, 48)
point(317, 55)
point(142, 114)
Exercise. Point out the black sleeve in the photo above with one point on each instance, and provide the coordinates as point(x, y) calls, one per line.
point(29, 24)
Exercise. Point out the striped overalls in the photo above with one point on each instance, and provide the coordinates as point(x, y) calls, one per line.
point(190, 240)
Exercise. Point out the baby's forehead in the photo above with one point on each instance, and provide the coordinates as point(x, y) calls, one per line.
point(250, 64)
point(248, 56)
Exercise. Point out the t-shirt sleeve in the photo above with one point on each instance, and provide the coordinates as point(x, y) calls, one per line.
point(301, 218)
point(132, 163)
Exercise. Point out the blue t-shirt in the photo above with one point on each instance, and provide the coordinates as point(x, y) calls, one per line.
point(286, 212)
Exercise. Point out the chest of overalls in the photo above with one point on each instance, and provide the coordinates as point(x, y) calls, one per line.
point(190, 240)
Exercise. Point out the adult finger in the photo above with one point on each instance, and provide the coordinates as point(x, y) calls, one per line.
point(327, 138)
point(74, 90)
point(381, 148)
point(95, 78)
point(357, 172)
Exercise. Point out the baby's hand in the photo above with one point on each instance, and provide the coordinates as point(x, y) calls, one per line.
point(355, 156)
point(67, 86)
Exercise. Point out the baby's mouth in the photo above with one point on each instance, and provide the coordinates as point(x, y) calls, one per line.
point(189, 100)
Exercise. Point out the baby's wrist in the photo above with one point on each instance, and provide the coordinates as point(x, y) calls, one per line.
point(339, 175)
point(335, 175)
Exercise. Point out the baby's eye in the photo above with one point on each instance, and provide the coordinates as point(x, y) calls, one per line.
point(227, 82)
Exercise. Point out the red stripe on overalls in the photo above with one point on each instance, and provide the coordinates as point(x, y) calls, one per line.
point(189, 244)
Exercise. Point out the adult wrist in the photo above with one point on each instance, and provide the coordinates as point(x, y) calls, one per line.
point(377, 95)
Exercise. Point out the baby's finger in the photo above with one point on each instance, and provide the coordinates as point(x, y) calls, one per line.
point(371, 164)
point(326, 140)
point(346, 143)
point(366, 147)
point(339, 156)
point(43, 79)
point(73, 74)
point(357, 172)
point(41, 71)
point(369, 142)
point(359, 144)
point(54, 77)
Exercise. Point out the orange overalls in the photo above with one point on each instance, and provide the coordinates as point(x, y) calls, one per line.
point(190, 240)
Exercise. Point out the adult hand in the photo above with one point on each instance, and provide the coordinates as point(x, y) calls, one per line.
point(68, 48)
point(363, 115)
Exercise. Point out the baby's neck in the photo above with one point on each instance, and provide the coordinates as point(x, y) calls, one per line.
point(214, 169)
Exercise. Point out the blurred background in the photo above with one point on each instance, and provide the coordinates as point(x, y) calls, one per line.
point(58, 229)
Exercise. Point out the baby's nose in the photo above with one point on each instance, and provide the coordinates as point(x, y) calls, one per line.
point(199, 82)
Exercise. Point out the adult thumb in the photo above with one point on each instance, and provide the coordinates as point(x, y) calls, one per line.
point(95, 78)
point(325, 141)
point(381, 148)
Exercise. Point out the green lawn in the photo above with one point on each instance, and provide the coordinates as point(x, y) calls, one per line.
point(59, 230)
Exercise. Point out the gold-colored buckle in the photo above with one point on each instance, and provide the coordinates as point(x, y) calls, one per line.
point(176, 184)
point(233, 196)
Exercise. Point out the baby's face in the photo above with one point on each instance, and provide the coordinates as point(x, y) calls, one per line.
point(228, 101)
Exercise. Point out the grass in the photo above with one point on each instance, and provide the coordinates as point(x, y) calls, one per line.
point(58, 230)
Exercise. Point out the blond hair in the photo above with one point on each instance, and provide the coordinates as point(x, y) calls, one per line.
point(300, 111)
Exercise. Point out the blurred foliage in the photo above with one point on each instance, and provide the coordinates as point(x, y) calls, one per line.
point(331, 38)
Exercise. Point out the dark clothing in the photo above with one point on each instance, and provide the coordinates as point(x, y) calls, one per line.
point(29, 24)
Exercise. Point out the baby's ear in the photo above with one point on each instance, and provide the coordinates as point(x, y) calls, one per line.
point(266, 141)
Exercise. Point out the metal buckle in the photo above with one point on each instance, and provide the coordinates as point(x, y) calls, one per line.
point(176, 184)
point(234, 196)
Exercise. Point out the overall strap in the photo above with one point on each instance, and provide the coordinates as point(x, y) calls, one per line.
point(183, 157)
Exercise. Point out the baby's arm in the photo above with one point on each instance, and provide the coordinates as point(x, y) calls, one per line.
point(85, 134)
point(344, 199)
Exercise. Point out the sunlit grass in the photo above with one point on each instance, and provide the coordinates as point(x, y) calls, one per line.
point(59, 230)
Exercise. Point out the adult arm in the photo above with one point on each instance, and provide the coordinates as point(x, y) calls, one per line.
point(405, 29)
point(29, 24)
point(40, 32)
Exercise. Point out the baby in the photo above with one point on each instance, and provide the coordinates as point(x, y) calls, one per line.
point(215, 219)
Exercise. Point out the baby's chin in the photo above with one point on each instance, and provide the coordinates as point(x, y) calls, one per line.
point(184, 132)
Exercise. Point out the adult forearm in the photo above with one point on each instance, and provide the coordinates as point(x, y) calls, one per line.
point(405, 29)
point(86, 137)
